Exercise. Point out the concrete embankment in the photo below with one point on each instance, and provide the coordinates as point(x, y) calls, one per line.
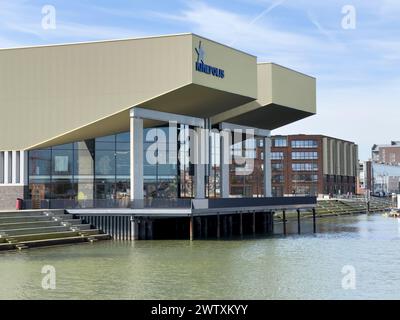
point(38, 228)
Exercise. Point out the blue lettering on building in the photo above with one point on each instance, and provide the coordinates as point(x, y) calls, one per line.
point(202, 67)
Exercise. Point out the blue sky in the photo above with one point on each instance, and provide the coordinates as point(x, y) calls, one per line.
point(357, 69)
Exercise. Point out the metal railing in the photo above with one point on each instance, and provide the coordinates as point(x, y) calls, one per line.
point(214, 203)
point(107, 204)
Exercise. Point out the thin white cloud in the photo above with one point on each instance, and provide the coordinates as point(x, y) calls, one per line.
point(263, 14)
point(25, 20)
point(262, 38)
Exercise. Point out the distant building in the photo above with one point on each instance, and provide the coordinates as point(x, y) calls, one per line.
point(381, 174)
point(379, 178)
point(386, 153)
point(312, 165)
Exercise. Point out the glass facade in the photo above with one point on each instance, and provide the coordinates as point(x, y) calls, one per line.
point(247, 179)
point(160, 178)
point(99, 169)
point(85, 170)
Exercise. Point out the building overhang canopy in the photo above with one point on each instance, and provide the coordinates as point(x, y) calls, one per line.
point(284, 96)
point(102, 81)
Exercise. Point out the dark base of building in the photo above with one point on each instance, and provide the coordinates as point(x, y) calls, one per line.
point(226, 226)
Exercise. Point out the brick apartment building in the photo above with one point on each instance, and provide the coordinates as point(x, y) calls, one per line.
point(386, 153)
point(312, 165)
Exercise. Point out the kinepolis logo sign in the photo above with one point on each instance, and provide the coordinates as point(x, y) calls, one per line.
point(202, 67)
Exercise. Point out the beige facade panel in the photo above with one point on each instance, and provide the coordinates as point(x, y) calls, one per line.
point(284, 96)
point(192, 100)
point(78, 91)
point(240, 69)
point(289, 88)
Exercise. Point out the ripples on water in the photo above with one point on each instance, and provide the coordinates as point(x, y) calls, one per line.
point(296, 267)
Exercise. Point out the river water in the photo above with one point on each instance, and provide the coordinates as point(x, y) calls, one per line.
point(294, 267)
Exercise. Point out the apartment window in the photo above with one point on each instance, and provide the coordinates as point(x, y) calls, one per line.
point(304, 167)
point(276, 155)
point(304, 155)
point(280, 142)
point(277, 166)
point(277, 191)
point(278, 178)
point(305, 178)
point(304, 144)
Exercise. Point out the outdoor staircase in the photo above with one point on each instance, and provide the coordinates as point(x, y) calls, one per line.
point(27, 229)
point(337, 207)
point(348, 206)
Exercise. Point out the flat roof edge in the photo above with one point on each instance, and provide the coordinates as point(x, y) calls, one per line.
point(97, 41)
point(125, 39)
point(290, 69)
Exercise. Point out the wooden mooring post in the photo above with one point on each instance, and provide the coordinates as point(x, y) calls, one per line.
point(266, 220)
point(230, 226)
point(254, 223)
point(218, 226)
point(206, 227)
point(241, 224)
point(284, 221)
point(298, 222)
point(314, 221)
point(191, 230)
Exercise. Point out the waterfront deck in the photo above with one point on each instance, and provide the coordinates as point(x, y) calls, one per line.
point(193, 219)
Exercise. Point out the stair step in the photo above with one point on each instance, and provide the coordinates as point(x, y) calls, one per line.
point(22, 231)
point(30, 214)
point(36, 224)
point(51, 235)
point(65, 240)
point(24, 219)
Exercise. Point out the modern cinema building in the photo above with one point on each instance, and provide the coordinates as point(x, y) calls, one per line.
point(128, 122)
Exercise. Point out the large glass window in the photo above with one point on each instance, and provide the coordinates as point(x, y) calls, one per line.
point(305, 178)
point(185, 168)
point(304, 155)
point(278, 166)
point(277, 178)
point(62, 162)
point(304, 166)
point(40, 163)
point(105, 163)
point(280, 142)
point(246, 171)
point(304, 144)
point(160, 176)
point(276, 155)
point(85, 170)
